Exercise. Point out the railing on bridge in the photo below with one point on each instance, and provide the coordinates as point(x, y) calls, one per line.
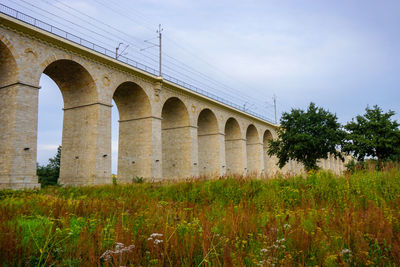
point(78, 40)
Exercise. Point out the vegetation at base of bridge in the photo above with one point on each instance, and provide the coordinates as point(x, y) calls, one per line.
point(315, 219)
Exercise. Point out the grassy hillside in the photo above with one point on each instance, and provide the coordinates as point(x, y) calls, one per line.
point(318, 220)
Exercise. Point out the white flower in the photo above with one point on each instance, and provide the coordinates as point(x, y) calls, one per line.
point(346, 251)
point(119, 249)
point(156, 235)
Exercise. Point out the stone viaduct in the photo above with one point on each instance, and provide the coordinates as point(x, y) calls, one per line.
point(165, 130)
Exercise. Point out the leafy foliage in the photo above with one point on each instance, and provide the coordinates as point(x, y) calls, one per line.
point(307, 137)
point(373, 134)
point(48, 175)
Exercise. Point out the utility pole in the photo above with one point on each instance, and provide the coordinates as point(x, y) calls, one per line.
point(160, 49)
point(159, 45)
point(274, 99)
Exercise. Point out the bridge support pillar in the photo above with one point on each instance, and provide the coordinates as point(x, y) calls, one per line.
point(270, 167)
point(254, 158)
point(194, 155)
point(156, 149)
point(222, 159)
point(86, 145)
point(236, 158)
point(211, 154)
point(139, 152)
point(18, 136)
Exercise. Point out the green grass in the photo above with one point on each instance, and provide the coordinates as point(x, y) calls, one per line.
point(320, 219)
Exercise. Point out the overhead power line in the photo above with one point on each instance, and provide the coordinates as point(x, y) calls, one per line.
point(164, 60)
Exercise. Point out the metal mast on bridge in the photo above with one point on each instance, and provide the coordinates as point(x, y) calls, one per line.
point(159, 45)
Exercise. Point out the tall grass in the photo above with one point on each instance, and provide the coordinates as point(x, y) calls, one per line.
point(320, 219)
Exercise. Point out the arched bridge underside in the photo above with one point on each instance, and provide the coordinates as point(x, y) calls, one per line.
point(165, 131)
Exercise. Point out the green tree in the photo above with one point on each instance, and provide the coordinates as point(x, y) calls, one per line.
point(373, 134)
point(48, 174)
point(307, 136)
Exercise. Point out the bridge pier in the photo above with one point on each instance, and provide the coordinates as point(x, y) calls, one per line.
point(86, 145)
point(236, 156)
point(211, 154)
point(135, 148)
point(222, 154)
point(194, 148)
point(18, 135)
point(254, 158)
point(156, 149)
point(209, 162)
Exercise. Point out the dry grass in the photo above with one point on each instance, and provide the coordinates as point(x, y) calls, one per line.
point(321, 219)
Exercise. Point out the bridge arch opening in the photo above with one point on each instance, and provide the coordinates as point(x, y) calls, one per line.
point(79, 95)
point(253, 150)
point(208, 143)
point(234, 145)
point(269, 165)
point(175, 139)
point(135, 131)
point(8, 66)
point(74, 81)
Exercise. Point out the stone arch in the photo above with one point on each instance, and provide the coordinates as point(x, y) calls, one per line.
point(75, 82)
point(175, 139)
point(208, 143)
point(135, 131)
point(8, 65)
point(80, 147)
point(234, 147)
point(269, 164)
point(253, 150)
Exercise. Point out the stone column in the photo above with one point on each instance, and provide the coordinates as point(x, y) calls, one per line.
point(254, 156)
point(261, 169)
point(18, 136)
point(236, 158)
point(269, 164)
point(194, 151)
point(179, 153)
point(136, 148)
point(156, 149)
point(86, 145)
point(222, 154)
point(210, 162)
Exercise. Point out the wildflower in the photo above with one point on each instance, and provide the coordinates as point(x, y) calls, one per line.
point(158, 241)
point(155, 235)
point(156, 238)
point(119, 250)
point(345, 251)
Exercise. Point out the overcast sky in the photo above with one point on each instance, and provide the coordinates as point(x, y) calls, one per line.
point(343, 54)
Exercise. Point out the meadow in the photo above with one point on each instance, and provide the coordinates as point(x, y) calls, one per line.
point(316, 219)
